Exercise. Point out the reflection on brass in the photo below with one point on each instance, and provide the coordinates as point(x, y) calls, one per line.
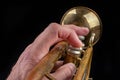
point(84, 17)
point(81, 57)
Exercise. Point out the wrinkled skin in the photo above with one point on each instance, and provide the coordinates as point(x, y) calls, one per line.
point(40, 47)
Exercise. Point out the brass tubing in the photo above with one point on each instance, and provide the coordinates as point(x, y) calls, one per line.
point(47, 63)
point(83, 64)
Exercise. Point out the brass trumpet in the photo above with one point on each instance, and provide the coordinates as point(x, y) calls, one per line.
point(81, 57)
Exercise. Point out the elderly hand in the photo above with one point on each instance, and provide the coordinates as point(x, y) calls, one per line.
point(40, 47)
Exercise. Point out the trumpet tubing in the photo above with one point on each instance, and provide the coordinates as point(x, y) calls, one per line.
point(47, 63)
point(81, 57)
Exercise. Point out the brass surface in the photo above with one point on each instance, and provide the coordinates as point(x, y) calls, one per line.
point(84, 17)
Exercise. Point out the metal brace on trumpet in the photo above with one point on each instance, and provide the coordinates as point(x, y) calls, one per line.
point(81, 57)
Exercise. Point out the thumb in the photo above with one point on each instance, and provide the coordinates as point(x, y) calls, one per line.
point(65, 72)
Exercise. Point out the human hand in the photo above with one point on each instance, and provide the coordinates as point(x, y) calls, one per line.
point(40, 47)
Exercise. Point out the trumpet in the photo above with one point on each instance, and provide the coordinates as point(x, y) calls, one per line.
point(81, 57)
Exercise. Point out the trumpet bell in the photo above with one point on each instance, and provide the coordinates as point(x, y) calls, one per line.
point(84, 17)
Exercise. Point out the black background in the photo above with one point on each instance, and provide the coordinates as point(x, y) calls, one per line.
point(22, 22)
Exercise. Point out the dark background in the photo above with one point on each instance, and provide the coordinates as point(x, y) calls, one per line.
point(22, 22)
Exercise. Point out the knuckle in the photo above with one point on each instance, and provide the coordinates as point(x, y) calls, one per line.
point(54, 25)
